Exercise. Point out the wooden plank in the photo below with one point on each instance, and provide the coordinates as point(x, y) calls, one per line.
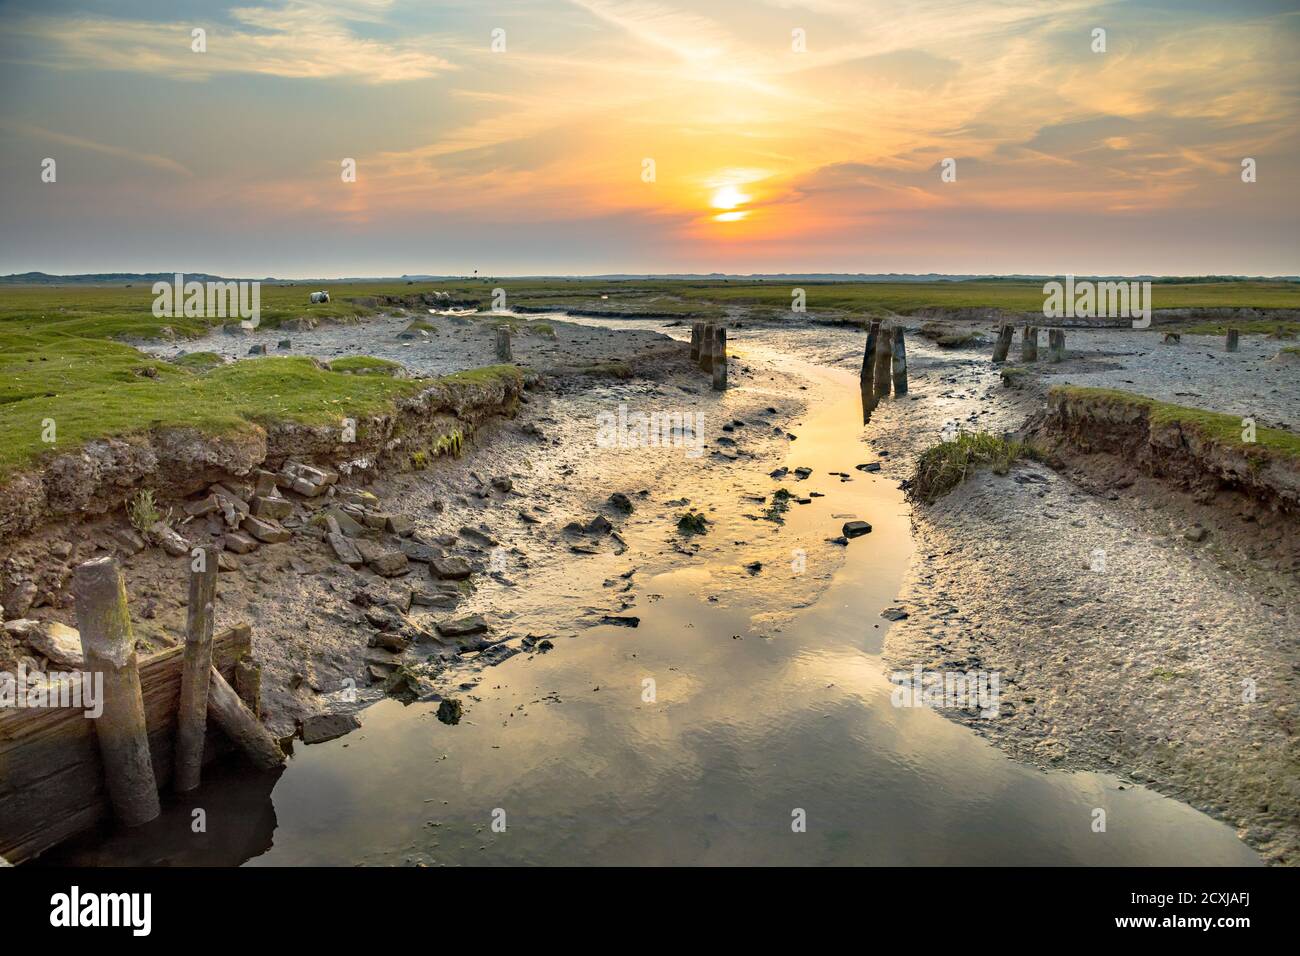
point(51, 777)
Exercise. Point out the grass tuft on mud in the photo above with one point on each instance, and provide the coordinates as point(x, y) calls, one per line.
point(946, 465)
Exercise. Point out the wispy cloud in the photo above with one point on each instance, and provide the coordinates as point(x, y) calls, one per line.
point(299, 39)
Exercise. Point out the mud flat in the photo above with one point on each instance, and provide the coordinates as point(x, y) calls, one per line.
point(1141, 600)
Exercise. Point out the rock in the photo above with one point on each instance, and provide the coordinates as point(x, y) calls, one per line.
point(502, 483)
point(203, 506)
point(528, 518)
point(1196, 533)
point(450, 710)
point(275, 508)
point(620, 620)
point(478, 537)
point(285, 344)
point(463, 627)
point(598, 525)
point(19, 598)
point(621, 502)
point(346, 524)
point(872, 465)
point(239, 542)
point(451, 568)
point(853, 529)
point(257, 350)
point(61, 549)
point(126, 540)
point(443, 597)
point(754, 567)
point(894, 614)
point(169, 540)
point(418, 551)
point(400, 525)
point(385, 617)
point(269, 532)
point(57, 642)
point(226, 562)
point(382, 559)
point(344, 549)
point(396, 641)
point(322, 727)
point(801, 473)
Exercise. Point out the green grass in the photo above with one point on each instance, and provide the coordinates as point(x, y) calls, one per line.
point(946, 465)
point(93, 391)
point(1224, 430)
point(199, 361)
point(365, 365)
point(1270, 327)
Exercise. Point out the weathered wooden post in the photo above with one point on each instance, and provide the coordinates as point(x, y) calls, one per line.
point(1029, 344)
point(1003, 345)
point(706, 347)
point(695, 341)
point(867, 378)
point(192, 714)
point(1231, 344)
point(720, 359)
point(884, 356)
point(504, 353)
point(900, 362)
point(239, 724)
point(109, 649)
point(1055, 345)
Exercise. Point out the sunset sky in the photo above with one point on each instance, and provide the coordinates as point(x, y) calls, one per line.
point(766, 159)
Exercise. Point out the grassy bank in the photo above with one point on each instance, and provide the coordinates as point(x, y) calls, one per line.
point(1223, 430)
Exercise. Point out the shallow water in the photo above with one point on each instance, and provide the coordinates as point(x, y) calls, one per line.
point(760, 715)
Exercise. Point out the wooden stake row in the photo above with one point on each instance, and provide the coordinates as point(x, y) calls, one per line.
point(884, 361)
point(109, 648)
point(709, 350)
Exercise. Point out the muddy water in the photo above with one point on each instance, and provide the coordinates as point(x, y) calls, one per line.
point(759, 715)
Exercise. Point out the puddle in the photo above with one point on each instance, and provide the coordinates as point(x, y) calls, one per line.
point(761, 713)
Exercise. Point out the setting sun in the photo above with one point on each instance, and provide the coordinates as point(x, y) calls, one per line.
point(729, 197)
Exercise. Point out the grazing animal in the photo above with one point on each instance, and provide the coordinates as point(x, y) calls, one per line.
point(320, 297)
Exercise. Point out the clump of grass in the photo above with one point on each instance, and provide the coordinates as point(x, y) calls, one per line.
point(365, 365)
point(692, 522)
point(1013, 376)
point(947, 337)
point(946, 465)
point(449, 444)
point(199, 361)
point(143, 512)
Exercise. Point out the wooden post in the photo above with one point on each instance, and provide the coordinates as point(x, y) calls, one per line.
point(192, 713)
point(239, 724)
point(109, 649)
point(1056, 345)
point(884, 356)
point(867, 378)
point(1029, 344)
point(1003, 345)
point(1231, 343)
point(504, 353)
point(695, 341)
point(900, 362)
point(720, 359)
point(706, 347)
